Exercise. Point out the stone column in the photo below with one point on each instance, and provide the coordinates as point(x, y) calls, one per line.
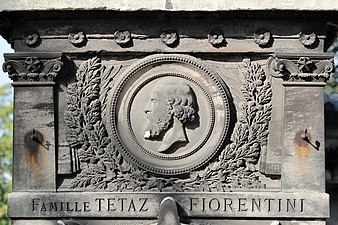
point(34, 152)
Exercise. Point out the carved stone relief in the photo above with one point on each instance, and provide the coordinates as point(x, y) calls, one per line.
point(167, 115)
point(31, 38)
point(77, 38)
point(171, 106)
point(308, 39)
point(169, 37)
point(27, 69)
point(300, 68)
point(122, 37)
point(262, 37)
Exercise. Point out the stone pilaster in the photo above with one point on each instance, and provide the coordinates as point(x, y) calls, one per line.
point(304, 77)
point(34, 148)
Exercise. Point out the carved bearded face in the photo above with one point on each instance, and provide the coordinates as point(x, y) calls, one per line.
point(166, 101)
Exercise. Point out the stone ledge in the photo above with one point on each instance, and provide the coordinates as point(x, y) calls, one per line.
point(169, 5)
point(146, 205)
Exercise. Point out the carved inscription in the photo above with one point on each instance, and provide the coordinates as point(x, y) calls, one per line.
point(196, 204)
point(246, 204)
point(98, 205)
point(147, 205)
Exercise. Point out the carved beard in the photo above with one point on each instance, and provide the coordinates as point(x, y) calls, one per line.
point(158, 123)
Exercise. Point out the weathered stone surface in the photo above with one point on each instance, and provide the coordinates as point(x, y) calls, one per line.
point(170, 5)
point(303, 159)
point(147, 205)
point(34, 141)
point(220, 112)
point(148, 222)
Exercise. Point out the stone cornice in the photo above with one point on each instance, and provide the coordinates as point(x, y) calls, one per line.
point(170, 5)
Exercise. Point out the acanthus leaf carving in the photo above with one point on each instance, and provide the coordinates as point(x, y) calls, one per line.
point(301, 68)
point(31, 69)
point(104, 168)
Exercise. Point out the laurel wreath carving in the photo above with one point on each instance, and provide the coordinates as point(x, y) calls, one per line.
point(104, 168)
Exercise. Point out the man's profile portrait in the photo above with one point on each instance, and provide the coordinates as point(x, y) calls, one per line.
point(171, 106)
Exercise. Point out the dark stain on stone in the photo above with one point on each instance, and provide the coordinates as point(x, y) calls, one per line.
point(45, 106)
point(302, 142)
point(33, 140)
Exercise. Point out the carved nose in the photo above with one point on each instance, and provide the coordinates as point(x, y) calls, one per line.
point(147, 109)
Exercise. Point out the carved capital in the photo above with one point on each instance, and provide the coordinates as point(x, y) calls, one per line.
point(301, 67)
point(32, 67)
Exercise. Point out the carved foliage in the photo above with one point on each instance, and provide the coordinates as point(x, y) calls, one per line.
point(86, 132)
point(32, 69)
point(237, 162)
point(100, 162)
point(301, 69)
point(103, 167)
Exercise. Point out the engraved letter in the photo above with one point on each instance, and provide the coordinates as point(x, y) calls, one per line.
point(132, 206)
point(269, 203)
point(111, 202)
point(76, 207)
point(289, 203)
point(254, 203)
point(302, 205)
point(143, 209)
point(99, 200)
point(35, 203)
point(122, 202)
point(53, 206)
point(68, 208)
point(86, 207)
point(192, 203)
point(241, 205)
point(229, 204)
point(217, 205)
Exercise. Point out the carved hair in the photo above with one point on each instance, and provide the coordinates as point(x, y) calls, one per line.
point(180, 100)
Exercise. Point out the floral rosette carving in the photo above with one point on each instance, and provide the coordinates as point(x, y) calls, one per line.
point(33, 64)
point(122, 37)
point(307, 39)
point(305, 64)
point(103, 167)
point(77, 38)
point(31, 38)
point(262, 38)
point(169, 37)
point(216, 37)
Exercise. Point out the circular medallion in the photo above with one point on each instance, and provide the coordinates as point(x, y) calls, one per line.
point(169, 114)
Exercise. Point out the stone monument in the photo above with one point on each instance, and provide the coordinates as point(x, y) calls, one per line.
point(168, 113)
